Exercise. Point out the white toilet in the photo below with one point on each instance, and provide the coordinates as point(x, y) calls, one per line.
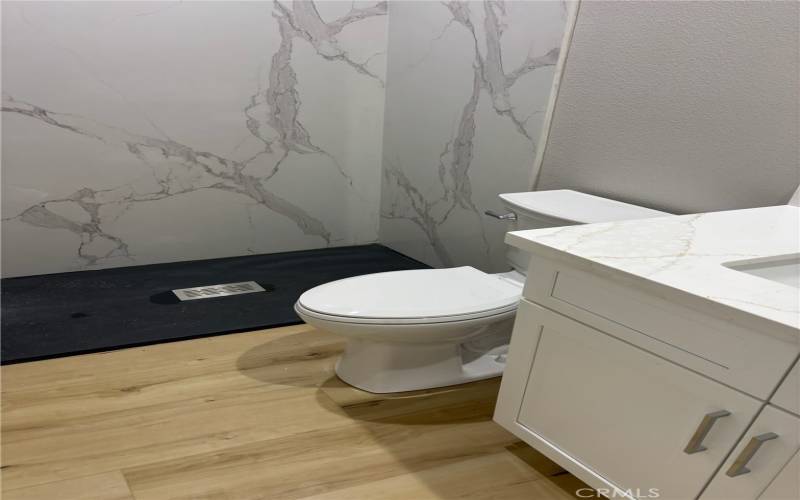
point(425, 328)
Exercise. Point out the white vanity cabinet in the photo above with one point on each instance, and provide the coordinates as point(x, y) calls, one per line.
point(765, 464)
point(623, 417)
point(644, 396)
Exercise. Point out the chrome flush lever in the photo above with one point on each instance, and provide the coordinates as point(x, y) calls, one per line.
point(498, 215)
point(695, 444)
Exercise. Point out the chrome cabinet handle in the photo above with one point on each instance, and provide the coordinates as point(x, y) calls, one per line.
point(498, 215)
point(739, 465)
point(695, 444)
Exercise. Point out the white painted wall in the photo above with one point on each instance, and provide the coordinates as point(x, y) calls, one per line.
point(682, 106)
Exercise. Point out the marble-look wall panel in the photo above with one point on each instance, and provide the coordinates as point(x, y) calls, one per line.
point(141, 132)
point(468, 86)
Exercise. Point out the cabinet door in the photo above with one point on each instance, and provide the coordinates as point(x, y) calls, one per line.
point(787, 396)
point(621, 412)
point(786, 485)
point(763, 453)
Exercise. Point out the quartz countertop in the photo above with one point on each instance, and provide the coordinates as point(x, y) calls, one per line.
point(686, 254)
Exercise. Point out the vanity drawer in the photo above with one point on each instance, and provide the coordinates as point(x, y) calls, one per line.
point(614, 409)
point(749, 361)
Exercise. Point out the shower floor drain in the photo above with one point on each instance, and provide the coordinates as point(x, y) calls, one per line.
point(222, 290)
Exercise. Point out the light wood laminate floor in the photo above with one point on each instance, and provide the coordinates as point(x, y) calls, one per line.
point(256, 415)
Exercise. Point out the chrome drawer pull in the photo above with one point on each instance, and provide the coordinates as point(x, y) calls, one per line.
point(498, 215)
point(739, 465)
point(695, 444)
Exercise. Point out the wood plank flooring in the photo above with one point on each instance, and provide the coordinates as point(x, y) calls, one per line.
point(256, 415)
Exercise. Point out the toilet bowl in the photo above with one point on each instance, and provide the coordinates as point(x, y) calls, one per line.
point(410, 330)
point(425, 328)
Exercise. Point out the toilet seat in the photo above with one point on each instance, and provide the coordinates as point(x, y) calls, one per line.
point(421, 296)
point(406, 321)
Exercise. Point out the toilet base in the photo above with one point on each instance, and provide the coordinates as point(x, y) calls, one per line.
point(382, 368)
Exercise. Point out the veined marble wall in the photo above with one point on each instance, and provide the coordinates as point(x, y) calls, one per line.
point(468, 86)
point(141, 132)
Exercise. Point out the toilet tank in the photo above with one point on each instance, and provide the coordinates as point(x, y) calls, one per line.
point(563, 207)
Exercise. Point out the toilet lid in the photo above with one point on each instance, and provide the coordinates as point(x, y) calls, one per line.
point(420, 293)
